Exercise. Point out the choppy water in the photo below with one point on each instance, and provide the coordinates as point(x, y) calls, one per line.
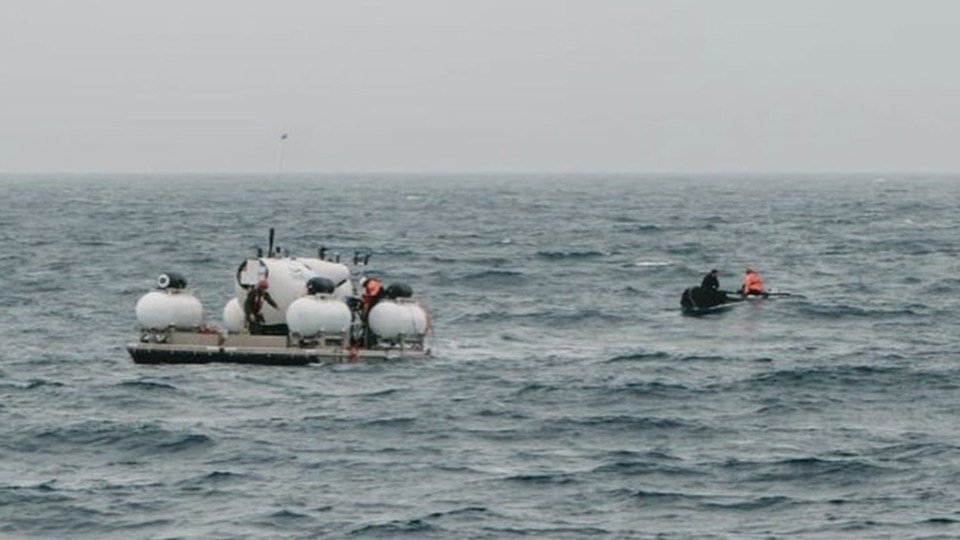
point(568, 397)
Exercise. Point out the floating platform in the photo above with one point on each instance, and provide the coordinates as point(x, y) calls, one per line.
point(284, 311)
point(186, 347)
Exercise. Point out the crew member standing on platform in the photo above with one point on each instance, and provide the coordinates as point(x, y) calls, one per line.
point(253, 306)
point(373, 291)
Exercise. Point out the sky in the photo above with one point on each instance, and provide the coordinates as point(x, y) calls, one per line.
point(176, 86)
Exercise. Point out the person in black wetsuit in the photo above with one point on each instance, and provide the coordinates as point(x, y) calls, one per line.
point(710, 281)
point(253, 305)
point(707, 295)
point(710, 292)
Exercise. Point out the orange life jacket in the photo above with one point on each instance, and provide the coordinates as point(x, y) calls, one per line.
point(371, 290)
point(752, 283)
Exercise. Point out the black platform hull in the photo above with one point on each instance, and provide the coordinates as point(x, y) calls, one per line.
point(142, 355)
point(194, 348)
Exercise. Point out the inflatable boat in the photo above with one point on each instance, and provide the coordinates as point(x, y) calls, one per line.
point(700, 301)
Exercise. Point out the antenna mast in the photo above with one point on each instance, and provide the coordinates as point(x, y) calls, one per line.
point(283, 146)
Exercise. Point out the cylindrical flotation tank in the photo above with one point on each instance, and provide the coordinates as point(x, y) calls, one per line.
point(233, 318)
point(286, 282)
point(391, 318)
point(311, 315)
point(159, 310)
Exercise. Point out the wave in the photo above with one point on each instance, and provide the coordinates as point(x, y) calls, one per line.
point(144, 384)
point(635, 455)
point(386, 423)
point(372, 393)
point(39, 284)
point(808, 469)
point(636, 228)
point(136, 439)
point(199, 260)
point(652, 497)
point(623, 422)
point(548, 479)
point(480, 261)
point(549, 318)
point(939, 521)
point(493, 279)
point(93, 243)
point(648, 389)
point(638, 357)
point(846, 311)
point(584, 317)
point(942, 286)
point(572, 255)
point(61, 517)
point(547, 533)
point(633, 468)
point(32, 384)
point(758, 503)
point(703, 358)
point(816, 375)
point(853, 378)
point(686, 248)
point(38, 495)
point(471, 511)
point(288, 516)
point(635, 463)
point(914, 453)
point(415, 527)
point(505, 413)
point(214, 478)
point(539, 388)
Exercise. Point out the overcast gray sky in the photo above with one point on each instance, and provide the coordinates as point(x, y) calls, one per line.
point(492, 85)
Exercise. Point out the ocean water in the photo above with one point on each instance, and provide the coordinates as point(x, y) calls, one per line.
point(567, 396)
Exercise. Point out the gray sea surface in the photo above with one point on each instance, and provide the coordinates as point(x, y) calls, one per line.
point(567, 397)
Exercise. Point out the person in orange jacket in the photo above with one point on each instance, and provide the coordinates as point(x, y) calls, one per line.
point(372, 291)
point(752, 283)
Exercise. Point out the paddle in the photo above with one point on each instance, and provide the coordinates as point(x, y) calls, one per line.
point(765, 294)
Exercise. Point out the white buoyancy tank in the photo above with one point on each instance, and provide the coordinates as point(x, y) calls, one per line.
point(311, 315)
point(159, 310)
point(391, 318)
point(233, 318)
point(286, 281)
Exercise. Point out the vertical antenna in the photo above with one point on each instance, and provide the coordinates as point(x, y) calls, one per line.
point(283, 146)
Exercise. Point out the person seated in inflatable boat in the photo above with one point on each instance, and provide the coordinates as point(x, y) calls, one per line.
point(752, 283)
